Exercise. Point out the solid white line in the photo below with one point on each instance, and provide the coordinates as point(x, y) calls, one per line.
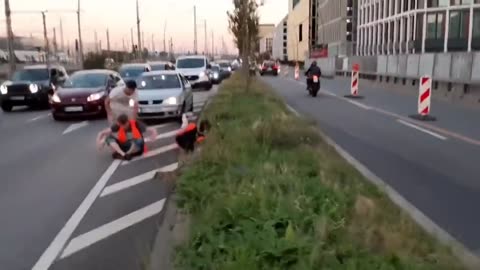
point(136, 180)
point(85, 240)
point(436, 135)
point(363, 106)
point(164, 135)
point(293, 110)
point(74, 127)
point(51, 253)
point(39, 117)
point(329, 93)
point(153, 153)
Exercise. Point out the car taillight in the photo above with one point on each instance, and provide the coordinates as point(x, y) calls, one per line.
point(276, 67)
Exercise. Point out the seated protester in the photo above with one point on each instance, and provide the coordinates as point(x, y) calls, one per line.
point(191, 134)
point(126, 137)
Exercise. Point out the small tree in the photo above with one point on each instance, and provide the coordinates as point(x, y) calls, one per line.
point(243, 23)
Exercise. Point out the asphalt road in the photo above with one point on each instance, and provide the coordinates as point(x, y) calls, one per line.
point(432, 165)
point(64, 205)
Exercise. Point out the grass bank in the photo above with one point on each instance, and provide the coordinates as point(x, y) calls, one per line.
point(267, 193)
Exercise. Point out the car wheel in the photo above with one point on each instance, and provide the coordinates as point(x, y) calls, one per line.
point(7, 107)
point(209, 86)
point(56, 117)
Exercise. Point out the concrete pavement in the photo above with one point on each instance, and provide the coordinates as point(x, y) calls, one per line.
point(430, 166)
point(65, 206)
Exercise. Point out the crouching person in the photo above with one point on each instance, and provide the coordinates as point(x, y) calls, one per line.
point(126, 138)
point(191, 134)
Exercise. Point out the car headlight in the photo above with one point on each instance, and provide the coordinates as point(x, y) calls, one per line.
point(131, 103)
point(56, 98)
point(33, 88)
point(202, 74)
point(95, 96)
point(215, 75)
point(3, 89)
point(229, 69)
point(170, 101)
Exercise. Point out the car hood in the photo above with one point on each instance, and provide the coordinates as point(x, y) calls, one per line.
point(156, 94)
point(42, 82)
point(191, 71)
point(78, 92)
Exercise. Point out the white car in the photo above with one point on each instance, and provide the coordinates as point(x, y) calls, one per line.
point(196, 69)
point(164, 94)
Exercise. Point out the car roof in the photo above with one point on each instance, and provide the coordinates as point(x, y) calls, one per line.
point(93, 71)
point(158, 62)
point(191, 56)
point(41, 66)
point(134, 65)
point(160, 72)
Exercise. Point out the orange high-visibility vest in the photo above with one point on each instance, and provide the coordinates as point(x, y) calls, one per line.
point(122, 134)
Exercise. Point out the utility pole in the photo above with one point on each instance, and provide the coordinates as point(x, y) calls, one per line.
point(143, 41)
point(108, 42)
point(55, 46)
point(195, 30)
point(140, 50)
point(45, 36)
point(205, 34)
point(62, 43)
point(96, 42)
point(80, 43)
point(131, 38)
point(164, 40)
point(153, 43)
point(123, 45)
point(213, 45)
point(11, 53)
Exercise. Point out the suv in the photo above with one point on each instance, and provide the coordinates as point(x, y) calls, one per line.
point(32, 86)
point(196, 69)
point(269, 67)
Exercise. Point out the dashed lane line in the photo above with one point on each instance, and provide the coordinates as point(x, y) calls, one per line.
point(76, 126)
point(106, 230)
point(164, 135)
point(153, 153)
point(436, 135)
point(136, 180)
point(38, 117)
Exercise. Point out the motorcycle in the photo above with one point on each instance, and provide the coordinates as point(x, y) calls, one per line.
point(314, 86)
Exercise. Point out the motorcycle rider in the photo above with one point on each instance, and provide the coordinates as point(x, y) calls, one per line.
point(313, 70)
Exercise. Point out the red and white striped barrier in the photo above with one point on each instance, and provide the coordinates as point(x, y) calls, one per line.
point(354, 82)
point(424, 100)
point(424, 96)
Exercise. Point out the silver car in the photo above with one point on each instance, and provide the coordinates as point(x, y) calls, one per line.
point(164, 94)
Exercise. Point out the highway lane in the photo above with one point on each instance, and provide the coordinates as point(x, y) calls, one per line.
point(45, 175)
point(436, 173)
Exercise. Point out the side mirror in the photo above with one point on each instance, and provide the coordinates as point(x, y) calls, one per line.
point(209, 66)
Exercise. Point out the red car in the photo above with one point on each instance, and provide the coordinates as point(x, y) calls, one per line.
point(84, 93)
point(269, 67)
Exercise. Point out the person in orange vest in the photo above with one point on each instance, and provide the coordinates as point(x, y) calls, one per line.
point(191, 134)
point(126, 138)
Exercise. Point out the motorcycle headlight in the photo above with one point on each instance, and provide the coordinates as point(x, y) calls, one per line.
point(95, 96)
point(33, 88)
point(202, 74)
point(170, 101)
point(56, 98)
point(3, 89)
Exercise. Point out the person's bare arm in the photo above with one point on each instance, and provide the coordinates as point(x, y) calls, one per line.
point(101, 136)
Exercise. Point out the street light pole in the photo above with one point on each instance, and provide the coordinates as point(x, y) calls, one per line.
point(205, 31)
point(80, 43)
point(47, 44)
point(139, 33)
point(11, 53)
point(195, 29)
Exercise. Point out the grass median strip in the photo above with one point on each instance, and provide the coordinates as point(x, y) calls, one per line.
point(267, 193)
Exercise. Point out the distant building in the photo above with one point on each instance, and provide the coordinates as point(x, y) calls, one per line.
point(298, 33)
point(265, 33)
point(280, 40)
point(22, 43)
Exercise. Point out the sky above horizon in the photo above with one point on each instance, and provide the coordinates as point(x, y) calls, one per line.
point(119, 17)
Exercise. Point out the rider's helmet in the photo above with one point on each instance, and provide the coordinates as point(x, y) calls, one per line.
point(314, 63)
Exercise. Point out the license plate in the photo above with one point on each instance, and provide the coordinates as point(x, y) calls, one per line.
point(151, 110)
point(17, 98)
point(269, 69)
point(315, 79)
point(74, 109)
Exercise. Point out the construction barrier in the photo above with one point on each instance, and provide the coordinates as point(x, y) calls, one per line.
point(424, 100)
point(297, 72)
point(354, 82)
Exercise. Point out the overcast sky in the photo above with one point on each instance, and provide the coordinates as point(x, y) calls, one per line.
point(119, 17)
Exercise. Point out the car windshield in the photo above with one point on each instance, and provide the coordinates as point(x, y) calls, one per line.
point(216, 68)
point(86, 80)
point(224, 65)
point(158, 66)
point(31, 75)
point(129, 72)
point(191, 63)
point(269, 64)
point(163, 81)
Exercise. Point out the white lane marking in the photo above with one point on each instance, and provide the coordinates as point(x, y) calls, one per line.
point(136, 180)
point(39, 117)
point(293, 110)
point(85, 240)
point(153, 153)
point(51, 253)
point(74, 127)
point(161, 125)
point(164, 135)
point(363, 106)
point(329, 93)
point(436, 135)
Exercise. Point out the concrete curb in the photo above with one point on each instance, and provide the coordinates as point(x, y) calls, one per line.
point(469, 258)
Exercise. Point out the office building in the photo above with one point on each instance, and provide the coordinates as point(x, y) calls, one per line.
point(280, 41)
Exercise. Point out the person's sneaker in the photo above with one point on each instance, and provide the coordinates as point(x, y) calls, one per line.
point(117, 156)
point(127, 157)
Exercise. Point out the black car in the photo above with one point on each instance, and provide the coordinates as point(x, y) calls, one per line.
point(31, 86)
point(226, 68)
point(216, 76)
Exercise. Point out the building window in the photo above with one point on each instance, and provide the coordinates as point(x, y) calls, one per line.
point(284, 30)
point(476, 24)
point(459, 21)
point(284, 44)
point(437, 3)
point(435, 25)
point(300, 32)
point(460, 2)
point(294, 3)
